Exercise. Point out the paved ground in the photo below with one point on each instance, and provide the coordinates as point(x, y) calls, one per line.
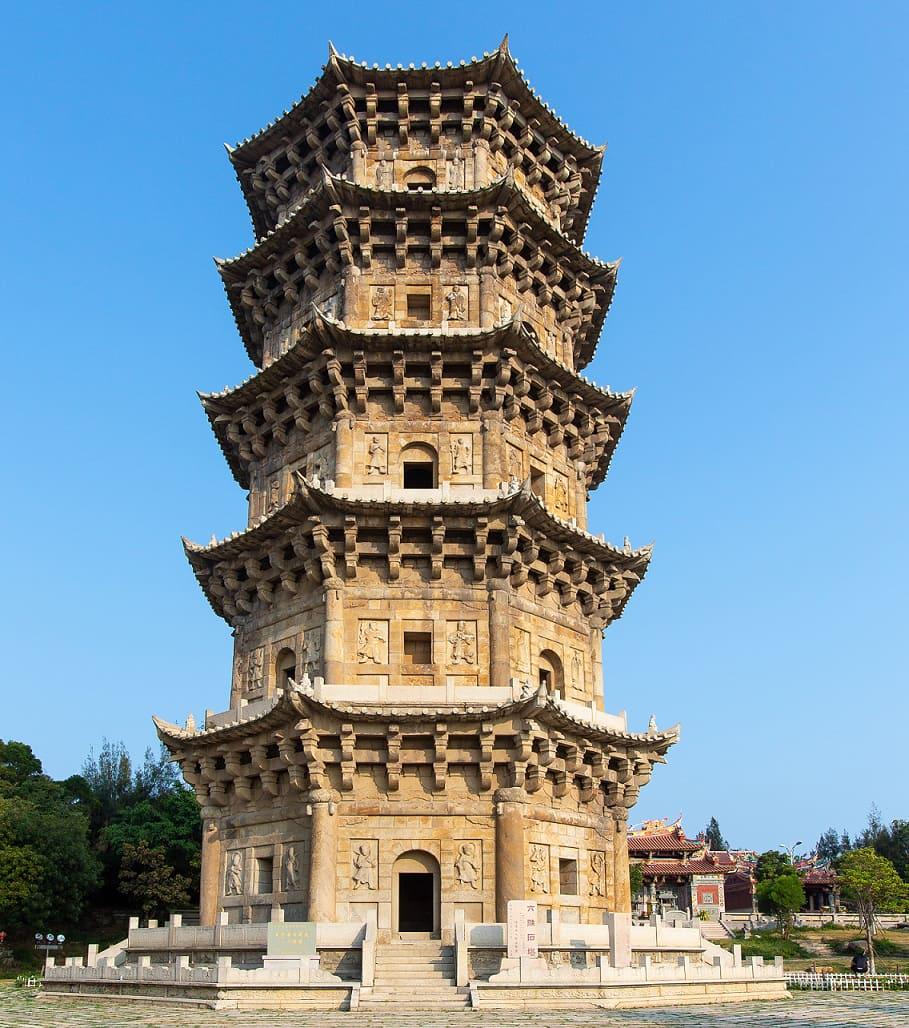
point(870, 1010)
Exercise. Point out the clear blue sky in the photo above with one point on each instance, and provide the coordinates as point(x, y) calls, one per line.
point(756, 186)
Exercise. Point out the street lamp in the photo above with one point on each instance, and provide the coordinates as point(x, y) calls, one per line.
point(48, 941)
point(790, 850)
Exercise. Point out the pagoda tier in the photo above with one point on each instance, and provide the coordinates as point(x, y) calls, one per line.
point(461, 126)
point(518, 410)
point(392, 259)
point(492, 587)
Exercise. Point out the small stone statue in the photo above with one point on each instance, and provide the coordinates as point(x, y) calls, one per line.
point(460, 456)
point(291, 869)
point(370, 643)
point(377, 462)
point(463, 650)
point(364, 865)
point(235, 874)
point(539, 870)
point(465, 866)
point(456, 303)
point(381, 304)
point(597, 869)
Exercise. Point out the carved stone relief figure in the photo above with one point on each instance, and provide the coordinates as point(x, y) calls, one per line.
point(463, 643)
point(382, 301)
point(539, 869)
point(504, 311)
point(312, 652)
point(275, 496)
point(467, 868)
point(577, 668)
point(321, 463)
point(234, 883)
point(456, 170)
point(461, 455)
point(372, 642)
point(456, 303)
point(240, 663)
point(515, 464)
point(385, 174)
point(377, 455)
point(560, 496)
point(520, 649)
point(291, 869)
point(364, 865)
point(596, 886)
point(255, 668)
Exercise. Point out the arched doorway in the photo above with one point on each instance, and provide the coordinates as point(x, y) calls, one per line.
point(551, 675)
point(416, 893)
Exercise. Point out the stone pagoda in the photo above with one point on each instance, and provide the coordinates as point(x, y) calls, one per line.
point(416, 723)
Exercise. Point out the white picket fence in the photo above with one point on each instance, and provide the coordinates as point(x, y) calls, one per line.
point(846, 982)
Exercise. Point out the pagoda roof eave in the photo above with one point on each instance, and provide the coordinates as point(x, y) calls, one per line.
point(343, 68)
point(297, 701)
point(323, 328)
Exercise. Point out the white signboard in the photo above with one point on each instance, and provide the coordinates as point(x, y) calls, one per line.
point(522, 928)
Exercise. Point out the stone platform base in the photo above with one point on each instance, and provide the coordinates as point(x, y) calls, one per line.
point(212, 997)
point(625, 995)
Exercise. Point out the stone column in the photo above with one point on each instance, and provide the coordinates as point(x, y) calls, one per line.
point(509, 808)
point(210, 879)
point(350, 280)
point(493, 450)
point(499, 654)
point(480, 163)
point(323, 856)
point(596, 664)
point(621, 877)
point(344, 456)
point(487, 298)
point(358, 162)
point(334, 636)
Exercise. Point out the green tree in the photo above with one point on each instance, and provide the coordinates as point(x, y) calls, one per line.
point(782, 896)
point(636, 877)
point(714, 837)
point(829, 846)
point(147, 878)
point(772, 864)
point(47, 867)
point(870, 882)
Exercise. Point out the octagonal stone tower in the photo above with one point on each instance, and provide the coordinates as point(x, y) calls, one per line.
point(416, 719)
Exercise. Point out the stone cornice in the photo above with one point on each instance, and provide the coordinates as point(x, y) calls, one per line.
point(230, 410)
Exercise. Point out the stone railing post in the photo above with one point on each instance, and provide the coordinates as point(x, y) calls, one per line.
point(621, 876)
point(462, 966)
point(368, 954)
point(91, 958)
point(509, 810)
point(323, 856)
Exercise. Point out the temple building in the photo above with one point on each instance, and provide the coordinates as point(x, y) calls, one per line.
point(416, 722)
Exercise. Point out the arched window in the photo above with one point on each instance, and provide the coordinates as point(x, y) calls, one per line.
point(549, 670)
point(285, 668)
point(420, 178)
point(419, 464)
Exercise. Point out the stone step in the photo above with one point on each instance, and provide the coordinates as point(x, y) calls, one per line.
point(403, 973)
point(405, 984)
point(402, 961)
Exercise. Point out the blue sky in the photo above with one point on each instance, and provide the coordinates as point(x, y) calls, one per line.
point(755, 186)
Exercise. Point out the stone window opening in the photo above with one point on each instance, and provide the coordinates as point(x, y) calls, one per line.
point(420, 178)
point(264, 875)
point(550, 674)
point(418, 306)
point(417, 647)
point(285, 668)
point(568, 876)
point(538, 482)
point(419, 463)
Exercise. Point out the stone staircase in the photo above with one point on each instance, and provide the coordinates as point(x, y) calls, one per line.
point(417, 975)
point(713, 931)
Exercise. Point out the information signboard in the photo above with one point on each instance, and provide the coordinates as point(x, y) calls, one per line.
point(522, 928)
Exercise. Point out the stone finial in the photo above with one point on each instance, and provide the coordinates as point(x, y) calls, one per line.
point(190, 723)
point(652, 725)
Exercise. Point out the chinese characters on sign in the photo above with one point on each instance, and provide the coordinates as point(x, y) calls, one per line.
point(522, 928)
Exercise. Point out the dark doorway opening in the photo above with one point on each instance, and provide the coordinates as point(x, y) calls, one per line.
point(419, 475)
point(415, 902)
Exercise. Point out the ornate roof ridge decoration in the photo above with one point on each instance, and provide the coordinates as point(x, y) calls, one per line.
point(247, 150)
point(321, 329)
point(297, 701)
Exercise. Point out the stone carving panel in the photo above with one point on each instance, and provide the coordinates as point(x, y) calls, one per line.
point(321, 463)
point(456, 167)
point(455, 298)
point(382, 303)
point(274, 492)
point(520, 649)
point(372, 642)
point(596, 877)
point(462, 643)
point(377, 454)
point(255, 669)
point(364, 863)
point(385, 174)
point(576, 669)
point(461, 454)
point(468, 868)
point(312, 652)
point(504, 311)
point(539, 868)
point(560, 495)
point(515, 463)
point(233, 881)
point(290, 869)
